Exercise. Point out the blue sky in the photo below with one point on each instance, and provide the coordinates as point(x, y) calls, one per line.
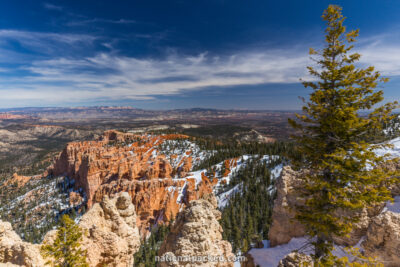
point(179, 54)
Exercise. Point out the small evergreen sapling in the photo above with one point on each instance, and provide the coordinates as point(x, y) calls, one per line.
point(66, 251)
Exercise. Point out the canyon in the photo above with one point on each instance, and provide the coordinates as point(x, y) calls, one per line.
point(160, 185)
point(131, 182)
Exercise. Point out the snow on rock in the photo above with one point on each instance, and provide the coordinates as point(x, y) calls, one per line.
point(197, 176)
point(234, 166)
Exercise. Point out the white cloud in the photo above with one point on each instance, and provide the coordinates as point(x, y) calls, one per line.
point(113, 77)
point(66, 79)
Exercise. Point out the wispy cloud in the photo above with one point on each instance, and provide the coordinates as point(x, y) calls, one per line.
point(44, 42)
point(110, 76)
point(99, 20)
point(52, 6)
point(27, 37)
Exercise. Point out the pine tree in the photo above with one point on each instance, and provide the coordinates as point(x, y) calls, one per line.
point(334, 138)
point(66, 251)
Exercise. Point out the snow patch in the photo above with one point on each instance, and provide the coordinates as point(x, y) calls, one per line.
point(393, 151)
point(393, 206)
point(270, 257)
point(223, 199)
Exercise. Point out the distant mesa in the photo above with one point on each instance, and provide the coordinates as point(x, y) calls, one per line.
point(8, 116)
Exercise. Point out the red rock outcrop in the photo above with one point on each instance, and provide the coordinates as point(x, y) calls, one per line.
point(126, 162)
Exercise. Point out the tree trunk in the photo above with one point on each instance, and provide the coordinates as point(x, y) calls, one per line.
point(319, 248)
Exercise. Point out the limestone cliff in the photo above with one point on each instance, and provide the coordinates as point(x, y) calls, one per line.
point(196, 233)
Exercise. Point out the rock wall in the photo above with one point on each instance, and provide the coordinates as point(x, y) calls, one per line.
point(111, 237)
point(381, 229)
point(197, 232)
point(93, 163)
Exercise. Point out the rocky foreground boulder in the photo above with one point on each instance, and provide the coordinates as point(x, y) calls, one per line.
point(284, 226)
point(383, 239)
point(197, 233)
point(111, 237)
point(15, 252)
point(381, 229)
point(295, 259)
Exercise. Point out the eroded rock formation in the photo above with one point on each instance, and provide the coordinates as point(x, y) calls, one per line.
point(15, 252)
point(284, 227)
point(197, 233)
point(110, 237)
point(129, 162)
point(383, 239)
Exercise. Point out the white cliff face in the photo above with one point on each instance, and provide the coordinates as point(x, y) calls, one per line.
point(196, 232)
point(111, 237)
